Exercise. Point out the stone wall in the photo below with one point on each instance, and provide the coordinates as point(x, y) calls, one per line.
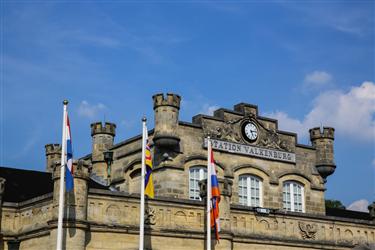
point(177, 221)
point(26, 224)
point(179, 224)
point(171, 169)
point(33, 215)
point(177, 146)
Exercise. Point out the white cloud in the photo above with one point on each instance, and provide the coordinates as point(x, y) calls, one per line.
point(208, 109)
point(289, 123)
point(351, 113)
point(317, 79)
point(359, 205)
point(90, 111)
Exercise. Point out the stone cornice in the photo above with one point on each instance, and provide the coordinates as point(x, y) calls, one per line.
point(33, 201)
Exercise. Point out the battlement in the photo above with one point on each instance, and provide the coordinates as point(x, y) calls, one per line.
point(171, 99)
point(246, 108)
point(99, 128)
point(327, 133)
point(322, 140)
point(54, 148)
point(53, 155)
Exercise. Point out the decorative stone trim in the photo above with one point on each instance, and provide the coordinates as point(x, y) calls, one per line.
point(150, 216)
point(307, 230)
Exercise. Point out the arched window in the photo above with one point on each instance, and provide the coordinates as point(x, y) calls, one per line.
point(250, 191)
point(293, 196)
point(196, 174)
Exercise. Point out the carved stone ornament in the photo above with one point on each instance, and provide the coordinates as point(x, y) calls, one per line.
point(270, 139)
point(150, 216)
point(231, 131)
point(226, 131)
point(308, 231)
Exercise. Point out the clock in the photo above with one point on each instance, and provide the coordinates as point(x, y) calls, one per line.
point(250, 131)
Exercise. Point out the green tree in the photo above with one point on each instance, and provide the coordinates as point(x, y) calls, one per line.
point(334, 204)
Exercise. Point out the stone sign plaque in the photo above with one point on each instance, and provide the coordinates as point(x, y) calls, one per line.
point(244, 149)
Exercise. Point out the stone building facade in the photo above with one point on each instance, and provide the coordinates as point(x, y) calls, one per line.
point(272, 189)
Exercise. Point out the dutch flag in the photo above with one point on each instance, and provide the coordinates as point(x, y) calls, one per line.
point(69, 158)
point(215, 197)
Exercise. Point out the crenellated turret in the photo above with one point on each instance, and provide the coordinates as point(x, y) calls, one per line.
point(102, 139)
point(166, 110)
point(323, 143)
point(53, 155)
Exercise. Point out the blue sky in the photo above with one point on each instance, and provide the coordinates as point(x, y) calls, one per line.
point(304, 64)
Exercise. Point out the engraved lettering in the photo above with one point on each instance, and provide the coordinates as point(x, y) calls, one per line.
point(252, 151)
point(289, 157)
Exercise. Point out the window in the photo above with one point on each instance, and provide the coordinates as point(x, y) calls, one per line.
point(196, 174)
point(293, 197)
point(250, 191)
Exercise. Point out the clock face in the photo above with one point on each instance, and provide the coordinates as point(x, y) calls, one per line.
point(250, 131)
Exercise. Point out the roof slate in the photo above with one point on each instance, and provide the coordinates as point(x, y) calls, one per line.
point(22, 184)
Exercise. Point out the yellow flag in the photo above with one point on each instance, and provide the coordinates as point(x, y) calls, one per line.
point(149, 186)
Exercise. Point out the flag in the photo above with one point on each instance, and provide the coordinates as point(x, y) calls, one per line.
point(149, 186)
point(66, 173)
point(215, 197)
point(69, 157)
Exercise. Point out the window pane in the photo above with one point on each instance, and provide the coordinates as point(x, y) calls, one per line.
point(249, 190)
point(286, 196)
point(196, 174)
point(242, 191)
point(292, 193)
point(297, 198)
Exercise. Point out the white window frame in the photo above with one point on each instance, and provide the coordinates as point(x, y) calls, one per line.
point(248, 178)
point(202, 175)
point(291, 192)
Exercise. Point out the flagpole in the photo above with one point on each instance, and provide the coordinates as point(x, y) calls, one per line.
point(142, 208)
point(208, 194)
point(62, 180)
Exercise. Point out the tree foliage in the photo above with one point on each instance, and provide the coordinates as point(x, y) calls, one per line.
point(334, 204)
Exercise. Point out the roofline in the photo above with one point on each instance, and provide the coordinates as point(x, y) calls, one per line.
point(34, 200)
point(22, 169)
point(131, 139)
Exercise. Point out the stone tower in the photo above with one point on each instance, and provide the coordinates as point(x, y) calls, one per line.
point(102, 140)
point(323, 143)
point(75, 224)
point(53, 155)
point(169, 173)
point(166, 109)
